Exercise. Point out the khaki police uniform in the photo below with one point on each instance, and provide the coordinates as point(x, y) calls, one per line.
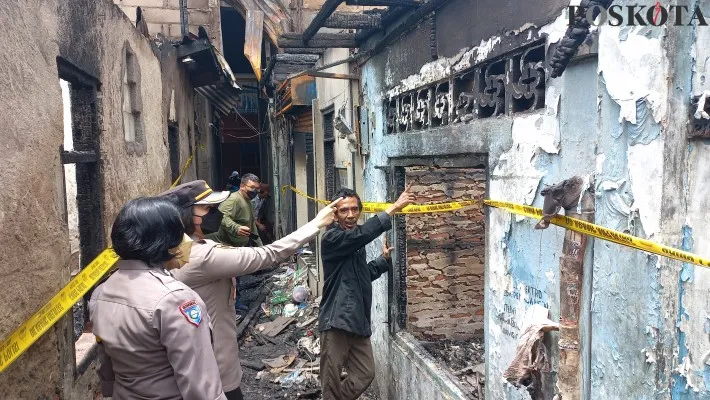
point(154, 337)
point(210, 272)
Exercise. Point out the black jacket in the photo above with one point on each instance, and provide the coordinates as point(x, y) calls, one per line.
point(347, 292)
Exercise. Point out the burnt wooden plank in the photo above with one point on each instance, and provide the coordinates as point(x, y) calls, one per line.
point(349, 20)
point(328, 7)
point(388, 3)
point(78, 157)
point(297, 58)
point(319, 40)
point(304, 50)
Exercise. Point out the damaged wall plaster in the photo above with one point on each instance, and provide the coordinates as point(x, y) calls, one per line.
point(605, 118)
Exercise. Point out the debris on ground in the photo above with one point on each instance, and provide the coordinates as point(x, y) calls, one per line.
point(465, 360)
point(279, 337)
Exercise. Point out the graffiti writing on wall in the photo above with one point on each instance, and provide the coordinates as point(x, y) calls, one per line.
point(510, 319)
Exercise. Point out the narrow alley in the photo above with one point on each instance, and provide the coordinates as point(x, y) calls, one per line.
point(355, 199)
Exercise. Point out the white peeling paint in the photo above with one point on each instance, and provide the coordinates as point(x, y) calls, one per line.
point(696, 302)
point(634, 69)
point(700, 110)
point(556, 30)
point(646, 172)
point(686, 369)
point(486, 47)
point(530, 134)
point(429, 73)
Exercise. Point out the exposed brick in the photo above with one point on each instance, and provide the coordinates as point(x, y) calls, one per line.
point(191, 4)
point(161, 15)
point(446, 248)
point(140, 3)
point(198, 17)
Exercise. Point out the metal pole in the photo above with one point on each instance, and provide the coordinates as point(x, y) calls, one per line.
point(183, 18)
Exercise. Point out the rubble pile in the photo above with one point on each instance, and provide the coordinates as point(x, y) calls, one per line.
point(465, 360)
point(280, 344)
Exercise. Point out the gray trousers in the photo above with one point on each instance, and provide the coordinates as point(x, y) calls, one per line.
point(343, 349)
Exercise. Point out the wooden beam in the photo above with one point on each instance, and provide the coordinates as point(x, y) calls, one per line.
point(347, 20)
point(333, 75)
point(304, 50)
point(78, 157)
point(326, 9)
point(297, 58)
point(387, 18)
point(289, 69)
point(388, 3)
point(320, 40)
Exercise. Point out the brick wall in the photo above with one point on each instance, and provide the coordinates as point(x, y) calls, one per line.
point(445, 255)
point(163, 16)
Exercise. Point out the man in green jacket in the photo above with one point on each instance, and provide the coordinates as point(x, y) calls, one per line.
point(238, 227)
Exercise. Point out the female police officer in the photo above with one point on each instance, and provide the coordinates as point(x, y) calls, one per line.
point(212, 266)
point(153, 331)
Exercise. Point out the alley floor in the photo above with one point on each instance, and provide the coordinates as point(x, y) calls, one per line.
point(279, 351)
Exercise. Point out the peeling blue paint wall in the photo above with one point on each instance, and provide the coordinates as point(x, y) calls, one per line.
point(619, 119)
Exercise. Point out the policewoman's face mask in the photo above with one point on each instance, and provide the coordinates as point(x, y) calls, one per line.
point(210, 222)
point(181, 253)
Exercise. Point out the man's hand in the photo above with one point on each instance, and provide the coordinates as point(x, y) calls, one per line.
point(259, 225)
point(405, 199)
point(326, 216)
point(386, 250)
point(243, 231)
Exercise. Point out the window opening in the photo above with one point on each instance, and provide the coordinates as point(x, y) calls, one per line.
point(329, 153)
point(439, 276)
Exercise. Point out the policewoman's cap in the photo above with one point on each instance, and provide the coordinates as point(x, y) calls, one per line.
point(195, 192)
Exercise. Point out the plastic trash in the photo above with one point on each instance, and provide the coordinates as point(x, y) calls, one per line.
point(289, 310)
point(300, 294)
point(290, 379)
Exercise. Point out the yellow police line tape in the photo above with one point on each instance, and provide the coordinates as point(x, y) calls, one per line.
point(372, 207)
point(603, 233)
point(33, 328)
point(184, 168)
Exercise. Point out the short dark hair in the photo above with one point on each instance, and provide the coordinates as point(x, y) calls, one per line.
point(345, 192)
point(146, 228)
point(185, 214)
point(250, 178)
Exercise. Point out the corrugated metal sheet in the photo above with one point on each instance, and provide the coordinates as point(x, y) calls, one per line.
point(224, 98)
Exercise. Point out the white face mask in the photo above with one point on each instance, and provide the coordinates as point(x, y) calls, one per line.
point(182, 251)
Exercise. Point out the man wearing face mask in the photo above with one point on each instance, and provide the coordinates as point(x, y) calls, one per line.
point(212, 265)
point(238, 226)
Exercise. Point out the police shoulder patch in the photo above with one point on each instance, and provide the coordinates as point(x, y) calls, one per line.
point(191, 310)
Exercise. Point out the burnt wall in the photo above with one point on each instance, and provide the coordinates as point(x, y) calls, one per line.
point(458, 25)
point(445, 255)
point(466, 22)
point(35, 260)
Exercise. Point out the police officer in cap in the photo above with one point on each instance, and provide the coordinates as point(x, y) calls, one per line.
point(212, 265)
point(153, 331)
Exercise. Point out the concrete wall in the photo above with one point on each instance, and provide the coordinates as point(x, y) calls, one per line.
point(163, 16)
point(620, 119)
point(35, 260)
point(337, 95)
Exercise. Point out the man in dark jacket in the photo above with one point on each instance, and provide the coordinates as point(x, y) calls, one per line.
point(344, 319)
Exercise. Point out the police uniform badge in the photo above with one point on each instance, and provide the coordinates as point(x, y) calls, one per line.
point(191, 311)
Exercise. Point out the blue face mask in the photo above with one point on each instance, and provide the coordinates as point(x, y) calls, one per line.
point(252, 194)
